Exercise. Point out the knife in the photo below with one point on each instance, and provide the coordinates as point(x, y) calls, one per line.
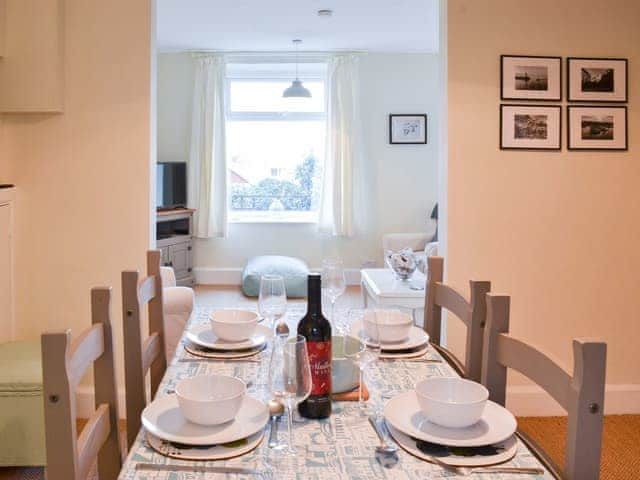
point(163, 467)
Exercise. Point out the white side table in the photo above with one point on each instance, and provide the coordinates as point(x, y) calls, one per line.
point(380, 287)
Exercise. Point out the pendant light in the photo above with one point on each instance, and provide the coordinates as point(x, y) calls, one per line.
point(296, 89)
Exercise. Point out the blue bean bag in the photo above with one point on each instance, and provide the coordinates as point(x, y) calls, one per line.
point(293, 270)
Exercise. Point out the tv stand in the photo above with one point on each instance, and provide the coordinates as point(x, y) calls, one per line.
point(174, 234)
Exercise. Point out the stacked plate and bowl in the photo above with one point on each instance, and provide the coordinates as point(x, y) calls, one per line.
point(452, 419)
point(230, 333)
point(209, 417)
point(398, 336)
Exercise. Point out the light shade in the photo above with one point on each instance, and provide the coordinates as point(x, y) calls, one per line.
point(296, 90)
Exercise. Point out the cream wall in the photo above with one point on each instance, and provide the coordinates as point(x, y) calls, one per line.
point(401, 180)
point(83, 211)
point(557, 231)
point(4, 159)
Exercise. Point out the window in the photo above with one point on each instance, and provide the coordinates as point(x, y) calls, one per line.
point(275, 145)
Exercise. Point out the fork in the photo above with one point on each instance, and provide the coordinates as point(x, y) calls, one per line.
point(466, 471)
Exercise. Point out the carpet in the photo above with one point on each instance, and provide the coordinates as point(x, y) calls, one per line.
point(620, 443)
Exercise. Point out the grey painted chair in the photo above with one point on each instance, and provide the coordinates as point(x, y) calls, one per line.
point(142, 355)
point(472, 313)
point(581, 394)
point(64, 363)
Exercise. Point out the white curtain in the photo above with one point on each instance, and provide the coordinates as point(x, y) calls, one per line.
point(207, 159)
point(343, 146)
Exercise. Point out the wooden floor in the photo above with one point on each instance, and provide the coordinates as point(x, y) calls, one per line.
point(227, 296)
point(621, 438)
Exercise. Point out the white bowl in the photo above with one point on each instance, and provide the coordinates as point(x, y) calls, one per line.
point(210, 399)
point(392, 326)
point(451, 402)
point(231, 325)
point(345, 374)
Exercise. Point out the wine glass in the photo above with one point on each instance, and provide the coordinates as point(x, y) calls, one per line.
point(290, 379)
point(364, 350)
point(272, 301)
point(333, 282)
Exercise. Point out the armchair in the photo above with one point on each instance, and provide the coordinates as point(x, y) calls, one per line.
point(178, 305)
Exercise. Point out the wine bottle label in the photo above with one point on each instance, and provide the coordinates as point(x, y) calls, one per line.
point(320, 363)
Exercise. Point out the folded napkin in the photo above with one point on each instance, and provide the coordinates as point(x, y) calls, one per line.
point(351, 396)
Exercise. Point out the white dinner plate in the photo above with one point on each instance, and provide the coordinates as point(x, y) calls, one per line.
point(222, 354)
point(496, 424)
point(492, 454)
point(163, 418)
point(417, 353)
point(204, 453)
point(417, 338)
point(203, 336)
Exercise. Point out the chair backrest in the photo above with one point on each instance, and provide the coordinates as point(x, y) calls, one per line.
point(143, 354)
point(580, 394)
point(64, 363)
point(472, 313)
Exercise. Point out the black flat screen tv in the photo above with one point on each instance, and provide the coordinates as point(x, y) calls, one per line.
point(171, 186)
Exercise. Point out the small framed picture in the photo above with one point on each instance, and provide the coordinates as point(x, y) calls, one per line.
point(530, 78)
point(597, 128)
point(407, 128)
point(597, 80)
point(530, 127)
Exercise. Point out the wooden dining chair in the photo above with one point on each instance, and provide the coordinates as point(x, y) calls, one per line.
point(472, 313)
point(142, 354)
point(581, 394)
point(64, 363)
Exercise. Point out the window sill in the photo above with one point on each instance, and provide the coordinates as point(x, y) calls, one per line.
point(261, 218)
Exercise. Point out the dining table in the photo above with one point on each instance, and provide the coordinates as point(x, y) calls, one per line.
point(339, 447)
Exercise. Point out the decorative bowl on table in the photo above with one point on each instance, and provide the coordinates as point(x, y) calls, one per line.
point(403, 263)
point(210, 399)
point(233, 325)
point(344, 372)
point(387, 326)
point(450, 401)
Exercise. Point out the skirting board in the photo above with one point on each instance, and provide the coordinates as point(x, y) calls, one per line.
point(523, 401)
point(233, 276)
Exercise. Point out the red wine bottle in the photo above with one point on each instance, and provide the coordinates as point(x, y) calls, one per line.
point(317, 330)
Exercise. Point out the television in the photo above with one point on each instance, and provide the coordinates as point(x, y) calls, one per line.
point(171, 185)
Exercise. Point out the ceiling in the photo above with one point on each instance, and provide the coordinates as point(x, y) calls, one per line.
point(270, 25)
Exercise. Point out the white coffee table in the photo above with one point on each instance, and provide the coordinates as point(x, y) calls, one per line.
point(382, 289)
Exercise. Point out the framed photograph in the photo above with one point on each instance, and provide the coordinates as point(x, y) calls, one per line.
point(530, 127)
point(407, 128)
point(530, 78)
point(597, 128)
point(597, 80)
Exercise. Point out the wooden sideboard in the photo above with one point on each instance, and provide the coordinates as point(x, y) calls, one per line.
point(174, 234)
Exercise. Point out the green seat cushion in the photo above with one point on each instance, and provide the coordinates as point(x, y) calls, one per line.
point(293, 270)
point(21, 370)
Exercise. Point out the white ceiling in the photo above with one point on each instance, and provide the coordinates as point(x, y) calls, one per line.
point(270, 25)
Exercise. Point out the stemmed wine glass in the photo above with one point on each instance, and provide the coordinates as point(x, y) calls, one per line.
point(290, 379)
point(363, 350)
point(333, 282)
point(272, 301)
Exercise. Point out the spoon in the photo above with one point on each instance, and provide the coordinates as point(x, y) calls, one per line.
point(276, 409)
point(386, 454)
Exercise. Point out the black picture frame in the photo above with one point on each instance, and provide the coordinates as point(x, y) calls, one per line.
point(556, 108)
point(421, 116)
point(530, 97)
point(604, 98)
point(570, 141)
